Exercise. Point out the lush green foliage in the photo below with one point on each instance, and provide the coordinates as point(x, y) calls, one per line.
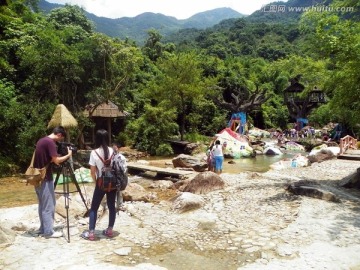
point(168, 89)
point(152, 129)
point(339, 39)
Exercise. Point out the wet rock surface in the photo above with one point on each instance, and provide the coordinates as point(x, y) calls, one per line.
point(252, 223)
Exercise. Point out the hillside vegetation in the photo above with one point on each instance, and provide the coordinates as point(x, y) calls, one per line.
point(173, 87)
point(135, 28)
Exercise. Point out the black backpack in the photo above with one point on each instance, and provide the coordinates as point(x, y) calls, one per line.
point(118, 164)
point(107, 179)
point(114, 173)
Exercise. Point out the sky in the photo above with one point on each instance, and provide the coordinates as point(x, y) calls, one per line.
point(182, 9)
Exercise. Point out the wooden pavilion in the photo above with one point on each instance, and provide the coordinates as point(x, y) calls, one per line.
point(103, 115)
point(300, 102)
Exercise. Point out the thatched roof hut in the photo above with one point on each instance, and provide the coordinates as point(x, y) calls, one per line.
point(106, 111)
point(62, 117)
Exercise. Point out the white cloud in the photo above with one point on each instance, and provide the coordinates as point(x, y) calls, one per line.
point(180, 9)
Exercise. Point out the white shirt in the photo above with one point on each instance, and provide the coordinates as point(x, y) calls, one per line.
point(96, 161)
point(217, 150)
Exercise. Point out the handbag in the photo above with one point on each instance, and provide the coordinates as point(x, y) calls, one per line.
point(35, 176)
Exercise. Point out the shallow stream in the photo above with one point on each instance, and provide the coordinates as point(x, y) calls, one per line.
point(14, 191)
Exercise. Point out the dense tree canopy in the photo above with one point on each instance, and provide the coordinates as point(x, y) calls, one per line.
point(169, 89)
point(338, 40)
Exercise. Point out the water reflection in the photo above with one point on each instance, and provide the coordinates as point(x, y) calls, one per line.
point(261, 163)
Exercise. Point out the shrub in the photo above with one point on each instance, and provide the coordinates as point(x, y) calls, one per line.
point(164, 149)
point(196, 138)
point(7, 168)
point(122, 139)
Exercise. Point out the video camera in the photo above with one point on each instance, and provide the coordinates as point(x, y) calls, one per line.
point(63, 148)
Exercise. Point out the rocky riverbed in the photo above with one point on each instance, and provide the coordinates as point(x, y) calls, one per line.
point(253, 223)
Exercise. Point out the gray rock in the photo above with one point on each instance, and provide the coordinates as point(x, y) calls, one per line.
point(186, 161)
point(314, 191)
point(205, 182)
point(187, 201)
point(322, 155)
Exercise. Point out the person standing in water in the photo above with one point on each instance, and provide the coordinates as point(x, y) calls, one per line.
point(218, 156)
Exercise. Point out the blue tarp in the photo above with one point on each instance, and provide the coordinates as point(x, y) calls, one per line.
point(302, 122)
point(239, 116)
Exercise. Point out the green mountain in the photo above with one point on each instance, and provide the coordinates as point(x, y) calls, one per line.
point(269, 32)
point(136, 28)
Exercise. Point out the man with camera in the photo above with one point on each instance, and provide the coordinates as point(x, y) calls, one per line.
point(46, 154)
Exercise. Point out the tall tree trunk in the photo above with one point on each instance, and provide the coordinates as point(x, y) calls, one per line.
point(182, 126)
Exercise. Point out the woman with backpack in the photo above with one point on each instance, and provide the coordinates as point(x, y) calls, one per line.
point(100, 157)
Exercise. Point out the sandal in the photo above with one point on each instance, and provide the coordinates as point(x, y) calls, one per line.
point(108, 232)
point(88, 235)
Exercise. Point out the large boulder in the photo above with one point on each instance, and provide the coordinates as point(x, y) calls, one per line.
point(135, 192)
point(205, 182)
point(352, 181)
point(272, 151)
point(190, 148)
point(321, 155)
point(181, 184)
point(314, 190)
point(293, 146)
point(187, 201)
point(186, 161)
point(76, 205)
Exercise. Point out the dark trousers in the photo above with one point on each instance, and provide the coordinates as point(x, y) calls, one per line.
point(95, 204)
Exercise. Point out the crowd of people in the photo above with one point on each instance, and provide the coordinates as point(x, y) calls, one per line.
point(326, 134)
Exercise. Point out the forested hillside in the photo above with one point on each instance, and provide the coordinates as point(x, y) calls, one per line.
point(170, 89)
point(135, 28)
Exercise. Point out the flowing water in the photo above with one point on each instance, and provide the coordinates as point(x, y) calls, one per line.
point(14, 191)
point(260, 163)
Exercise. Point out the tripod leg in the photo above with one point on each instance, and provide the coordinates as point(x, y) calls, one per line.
point(66, 199)
point(73, 179)
point(59, 171)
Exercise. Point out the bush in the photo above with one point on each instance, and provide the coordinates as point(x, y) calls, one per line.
point(164, 149)
point(197, 138)
point(121, 139)
point(7, 169)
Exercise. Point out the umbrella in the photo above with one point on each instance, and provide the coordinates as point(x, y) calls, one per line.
point(62, 117)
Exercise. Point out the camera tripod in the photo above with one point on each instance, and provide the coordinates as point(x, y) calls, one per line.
point(66, 170)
